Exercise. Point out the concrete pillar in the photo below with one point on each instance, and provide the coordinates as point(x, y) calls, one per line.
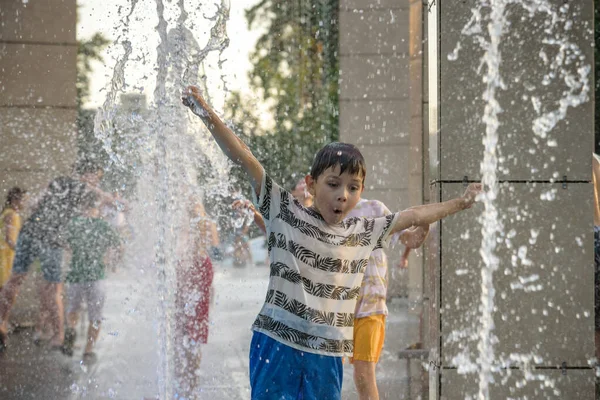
point(374, 102)
point(544, 287)
point(38, 51)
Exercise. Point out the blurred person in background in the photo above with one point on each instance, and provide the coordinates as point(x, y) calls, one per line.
point(89, 238)
point(10, 225)
point(194, 294)
point(42, 238)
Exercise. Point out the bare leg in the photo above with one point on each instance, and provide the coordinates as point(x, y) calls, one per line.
point(72, 319)
point(193, 356)
point(70, 334)
point(92, 336)
point(54, 302)
point(188, 362)
point(44, 326)
point(365, 381)
point(248, 253)
point(8, 296)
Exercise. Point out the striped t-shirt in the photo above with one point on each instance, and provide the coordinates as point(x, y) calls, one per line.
point(316, 270)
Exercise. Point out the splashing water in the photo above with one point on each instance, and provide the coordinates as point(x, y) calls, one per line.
point(178, 58)
point(170, 151)
point(106, 114)
point(489, 218)
point(494, 13)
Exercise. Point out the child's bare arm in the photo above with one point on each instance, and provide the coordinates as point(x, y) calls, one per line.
point(258, 219)
point(430, 213)
point(214, 234)
point(232, 146)
point(414, 237)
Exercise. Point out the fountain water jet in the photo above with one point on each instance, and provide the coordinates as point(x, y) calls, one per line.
point(489, 26)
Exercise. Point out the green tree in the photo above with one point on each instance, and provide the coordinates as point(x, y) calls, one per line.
point(295, 70)
point(87, 52)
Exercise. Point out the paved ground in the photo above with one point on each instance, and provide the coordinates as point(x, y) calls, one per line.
point(130, 361)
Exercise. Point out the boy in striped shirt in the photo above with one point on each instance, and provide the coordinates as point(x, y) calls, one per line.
point(317, 261)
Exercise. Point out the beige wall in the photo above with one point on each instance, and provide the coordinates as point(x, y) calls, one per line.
point(38, 52)
point(37, 95)
point(375, 111)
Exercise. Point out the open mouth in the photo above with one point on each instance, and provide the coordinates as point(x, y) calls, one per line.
point(337, 211)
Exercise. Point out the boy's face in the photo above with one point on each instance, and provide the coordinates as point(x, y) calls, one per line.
point(335, 195)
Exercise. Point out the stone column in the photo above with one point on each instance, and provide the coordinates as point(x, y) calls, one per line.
point(544, 287)
point(37, 95)
point(374, 101)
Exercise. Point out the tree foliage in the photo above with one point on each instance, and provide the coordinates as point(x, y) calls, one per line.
point(88, 51)
point(295, 72)
point(89, 148)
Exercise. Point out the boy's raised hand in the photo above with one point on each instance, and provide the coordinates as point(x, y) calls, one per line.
point(470, 195)
point(192, 98)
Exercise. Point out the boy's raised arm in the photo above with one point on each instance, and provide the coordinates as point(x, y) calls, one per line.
point(430, 213)
point(232, 146)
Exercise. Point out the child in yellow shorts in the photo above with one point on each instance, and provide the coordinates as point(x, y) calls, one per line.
point(371, 310)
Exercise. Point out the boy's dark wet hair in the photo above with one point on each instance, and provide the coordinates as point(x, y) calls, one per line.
point(14, 195)
point(346, 155)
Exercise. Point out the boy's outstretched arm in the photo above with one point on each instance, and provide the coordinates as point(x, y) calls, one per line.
point(430, 213)
point(232, 146)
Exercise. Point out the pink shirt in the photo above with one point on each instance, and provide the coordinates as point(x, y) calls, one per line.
point(373, 291)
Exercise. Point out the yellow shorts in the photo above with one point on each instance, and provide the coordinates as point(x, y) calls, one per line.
point(369, 334)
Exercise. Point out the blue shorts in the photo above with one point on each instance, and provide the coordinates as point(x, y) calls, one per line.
point(28, 249)
point(281, 372)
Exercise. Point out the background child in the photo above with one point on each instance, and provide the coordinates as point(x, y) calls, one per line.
point(10, 225)
point(317, 260)
point(193, 298)
point(42, 238)
point(89, 238)
point(371, 308)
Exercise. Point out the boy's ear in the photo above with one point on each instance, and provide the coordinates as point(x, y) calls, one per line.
point(310, 184)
